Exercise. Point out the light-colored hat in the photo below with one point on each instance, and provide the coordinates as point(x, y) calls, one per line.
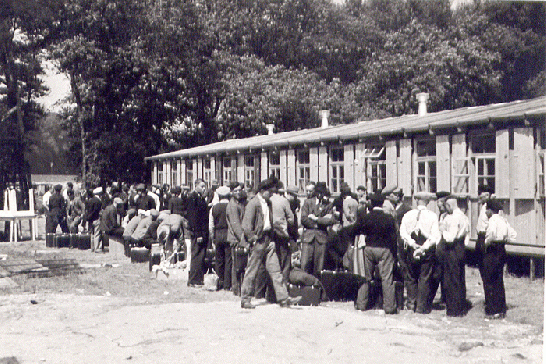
point(292, 189)
point(118, 201)
point(97, 191)
point(223, 191)
point(389, 189)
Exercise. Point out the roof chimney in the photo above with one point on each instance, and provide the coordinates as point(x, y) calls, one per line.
point(324, 115)
point(270, 128)
point(422, 97)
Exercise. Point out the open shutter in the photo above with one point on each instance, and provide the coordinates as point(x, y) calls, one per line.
point(443, 163)
point(502, 164)
point(290, 167)
point(323, 164)
point(404, 165)
point(240, 167)
point(524, 167)
point(264, 166)
point(349, 165)
point(360, 166)
point(313, 164)
point(282, 155)
point(391, 161)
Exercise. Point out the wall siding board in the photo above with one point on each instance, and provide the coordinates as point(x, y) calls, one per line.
point(360, 166)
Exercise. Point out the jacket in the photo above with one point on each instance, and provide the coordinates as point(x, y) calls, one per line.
point(234, 218)
point(253, 221)
point(316, 230)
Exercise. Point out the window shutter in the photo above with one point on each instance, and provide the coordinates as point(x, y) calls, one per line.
point(524, 157)
point(290, 167)
point(443, 163)
point(283, 172)
point(322, 164)
point(349, 165)
point(404, 171)
point(391, 162)
point(502, 164)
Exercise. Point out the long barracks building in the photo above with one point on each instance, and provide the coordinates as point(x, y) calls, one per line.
point(499, 145)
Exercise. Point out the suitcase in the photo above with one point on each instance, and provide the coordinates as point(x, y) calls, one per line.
point(62, 240)
point(50, 240)
point(84, 241)
point(341, 286)
point(140, 255)
point(155, 259)
point(310, 295)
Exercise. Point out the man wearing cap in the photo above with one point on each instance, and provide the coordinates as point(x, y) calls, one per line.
point(455, 230)
point(218, 231)
point(257, 226)
point(317, 214)
point(498, 232)
point(235, 210)
point(93, 207)
point(109, 224)
point(198, 229)
point(436, 278)
point(381, 240)
point(420, 234)
point(56, 214)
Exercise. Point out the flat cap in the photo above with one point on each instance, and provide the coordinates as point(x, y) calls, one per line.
point(292, 189)
point(267, 184)
point(223, 191)
point(442, 194)
point(58, 187)
point(140, 187)
point(390, 189)
point(97, 191)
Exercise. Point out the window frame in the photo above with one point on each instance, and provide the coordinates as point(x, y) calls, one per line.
point(375, 162)
point(427, 179)
point(303, 169)
point(336, 157)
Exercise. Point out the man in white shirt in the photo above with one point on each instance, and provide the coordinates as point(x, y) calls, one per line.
point(455, 229)
point(498, 232)
point(420, 234)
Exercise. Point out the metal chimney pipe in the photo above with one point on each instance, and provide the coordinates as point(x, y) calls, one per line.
point(324, 115)
point(422, 97)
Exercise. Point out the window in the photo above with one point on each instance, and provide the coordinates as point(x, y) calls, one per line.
point(303, 169)
point(189, 174)
point(207, 172)
point(337, 173)
point(250, 172)
point(461, 175)
point(425, 151)
point(483, 148)
point(376, 167)
point(160, 173)
point(275, 164)
point(227, 171)
point(174, 173)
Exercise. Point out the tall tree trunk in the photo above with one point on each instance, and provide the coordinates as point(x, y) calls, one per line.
point(79, 111)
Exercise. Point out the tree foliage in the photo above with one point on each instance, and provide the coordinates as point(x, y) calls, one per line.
point(152, 76)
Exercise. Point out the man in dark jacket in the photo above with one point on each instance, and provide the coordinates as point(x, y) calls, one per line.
point(93, 207)
point(144, 201)
point(198, 228)
point(235, 210)
point(56, 214)
point(218, 231)
point(317, 214)
point(109, 221)
point(381, 240)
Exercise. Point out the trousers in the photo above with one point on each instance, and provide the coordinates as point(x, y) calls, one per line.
point(451, 257)
point(491, 264)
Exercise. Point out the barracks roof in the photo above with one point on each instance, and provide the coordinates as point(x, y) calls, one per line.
point(410, 124)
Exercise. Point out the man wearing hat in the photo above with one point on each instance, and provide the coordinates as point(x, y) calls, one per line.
point(257, 226)
point(144, 202)
point(235, 210)
point(420, 234)
point(93, 207)
point(56, 214)
point(455, 229)
point(218, 231)
point(317, 214)
point(381, 240)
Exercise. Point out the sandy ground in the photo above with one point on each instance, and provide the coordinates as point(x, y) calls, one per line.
point(69, 328)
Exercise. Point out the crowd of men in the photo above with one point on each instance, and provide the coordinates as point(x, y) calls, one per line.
point(255, 236)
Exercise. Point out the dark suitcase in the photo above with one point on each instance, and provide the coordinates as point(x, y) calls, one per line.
point(84, 241)
point(63, 240)
point(155, 259)
point(73, 244)
point(340, 286)
point(50, 240)
point(140, 255)
point(310, 295)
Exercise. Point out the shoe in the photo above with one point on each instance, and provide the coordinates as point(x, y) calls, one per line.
point(195, 285)
point(497, 316)
point(247, 305)
point(290, 301)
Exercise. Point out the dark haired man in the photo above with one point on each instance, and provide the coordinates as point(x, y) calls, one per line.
point(198, 228)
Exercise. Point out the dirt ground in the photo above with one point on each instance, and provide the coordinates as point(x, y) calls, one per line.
point(118, 312)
